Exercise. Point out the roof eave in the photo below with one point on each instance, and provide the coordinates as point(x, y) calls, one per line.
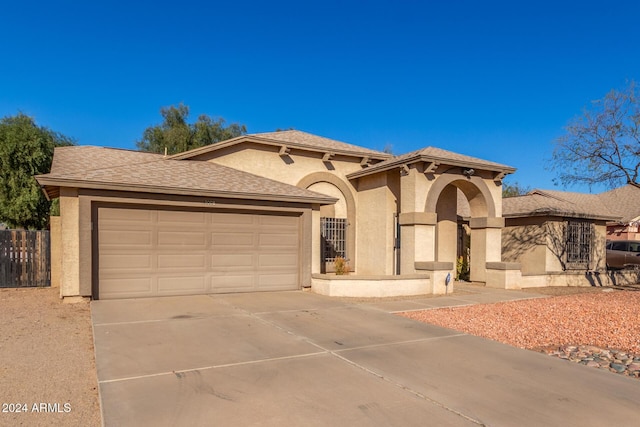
point(430, 159)
point(274, 142)
point(50, 184)
point(558, 213)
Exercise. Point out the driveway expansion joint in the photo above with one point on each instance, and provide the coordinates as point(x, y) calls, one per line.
point(335, 353)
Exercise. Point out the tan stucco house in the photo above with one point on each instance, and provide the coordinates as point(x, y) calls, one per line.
point(272, 211)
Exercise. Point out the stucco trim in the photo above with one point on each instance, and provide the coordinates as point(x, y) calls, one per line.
point(48, 182)
point(433, 265)
point(475, 223)
point(316, 177)
point(278, 143)
point(443, 180)
point(503, 266)
point(369, 276)
point(418, 218)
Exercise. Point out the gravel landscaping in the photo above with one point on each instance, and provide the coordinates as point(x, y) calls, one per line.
point(47, 373)
point(595, 326)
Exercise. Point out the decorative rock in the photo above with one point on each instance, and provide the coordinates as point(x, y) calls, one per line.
point(618, 367)
point(635, 366)
point(610, 359)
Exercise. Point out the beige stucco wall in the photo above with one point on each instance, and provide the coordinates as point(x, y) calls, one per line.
point(265, 161)
point(55, 235)
point(375, 224)
point(371, 286)
point(538, 244)
point(524, 241)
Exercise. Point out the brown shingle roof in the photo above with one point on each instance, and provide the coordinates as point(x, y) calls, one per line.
point(437, 155)
point(557, 203)
point(623, 201)
point(292, 139)
point(315, 141)
point(117, 169)
point(80, 158)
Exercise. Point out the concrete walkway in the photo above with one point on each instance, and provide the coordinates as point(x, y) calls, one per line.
point(296, 358)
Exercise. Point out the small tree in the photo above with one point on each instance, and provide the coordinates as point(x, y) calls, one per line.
point(26, 149)
point(515, 189)
point(602, 147)
point(177, 135)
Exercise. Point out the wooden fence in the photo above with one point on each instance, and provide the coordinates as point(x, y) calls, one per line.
point(25, 258)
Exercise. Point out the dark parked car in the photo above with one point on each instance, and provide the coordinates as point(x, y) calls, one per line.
point(623, 253)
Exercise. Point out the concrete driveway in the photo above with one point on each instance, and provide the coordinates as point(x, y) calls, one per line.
point(296, 358)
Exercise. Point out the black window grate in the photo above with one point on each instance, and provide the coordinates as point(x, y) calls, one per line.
point(333, 232)
point(579, 242)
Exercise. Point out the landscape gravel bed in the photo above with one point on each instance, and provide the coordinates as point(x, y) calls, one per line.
point(594, 326)
point(47, 374)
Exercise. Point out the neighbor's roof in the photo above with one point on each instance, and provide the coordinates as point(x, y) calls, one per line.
point(116, 169)
point(557, 203)
point(290, 139)
point(623, 201)
point(435, 155)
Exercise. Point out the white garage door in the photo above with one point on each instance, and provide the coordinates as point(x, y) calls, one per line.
point(155, 252)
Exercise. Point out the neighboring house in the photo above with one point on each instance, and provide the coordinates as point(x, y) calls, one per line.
point(625, 203)
point(557, 237)
point(271, 211)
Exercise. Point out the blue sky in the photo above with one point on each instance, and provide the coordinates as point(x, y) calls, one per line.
point(493, 79)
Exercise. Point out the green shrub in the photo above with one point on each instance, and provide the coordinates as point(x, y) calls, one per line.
point(462, 269)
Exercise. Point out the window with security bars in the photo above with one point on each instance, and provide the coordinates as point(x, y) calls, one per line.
point(579, 242)
point(333, 232)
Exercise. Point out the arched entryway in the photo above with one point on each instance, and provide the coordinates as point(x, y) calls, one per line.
point(464, 204)
point(337, 219)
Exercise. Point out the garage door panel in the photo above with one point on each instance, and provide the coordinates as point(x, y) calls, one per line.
point(277, 260)
point(182, 284)
point(181, 261)
point(290, 221)
point(182, 218)
point(126, 215)
point(122, 287)
point(244, 261)
point(171, 252)
point(232, 218)
point(233, 282)
point(116, 262)
point(278, 239)
point(123, 237)
point(184, 238)
point(279, 281)
point(224, 240)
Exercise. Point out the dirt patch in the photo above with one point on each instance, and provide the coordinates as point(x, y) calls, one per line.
point(47, 374)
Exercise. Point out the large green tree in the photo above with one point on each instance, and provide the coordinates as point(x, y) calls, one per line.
point(602, 146)
point(176, 135)
point(26, 149)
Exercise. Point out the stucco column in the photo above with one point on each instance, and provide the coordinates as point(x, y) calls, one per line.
point(315, 240)
point(486, 245)
point(447, 228)
point(70, 247)
point(417, 239)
